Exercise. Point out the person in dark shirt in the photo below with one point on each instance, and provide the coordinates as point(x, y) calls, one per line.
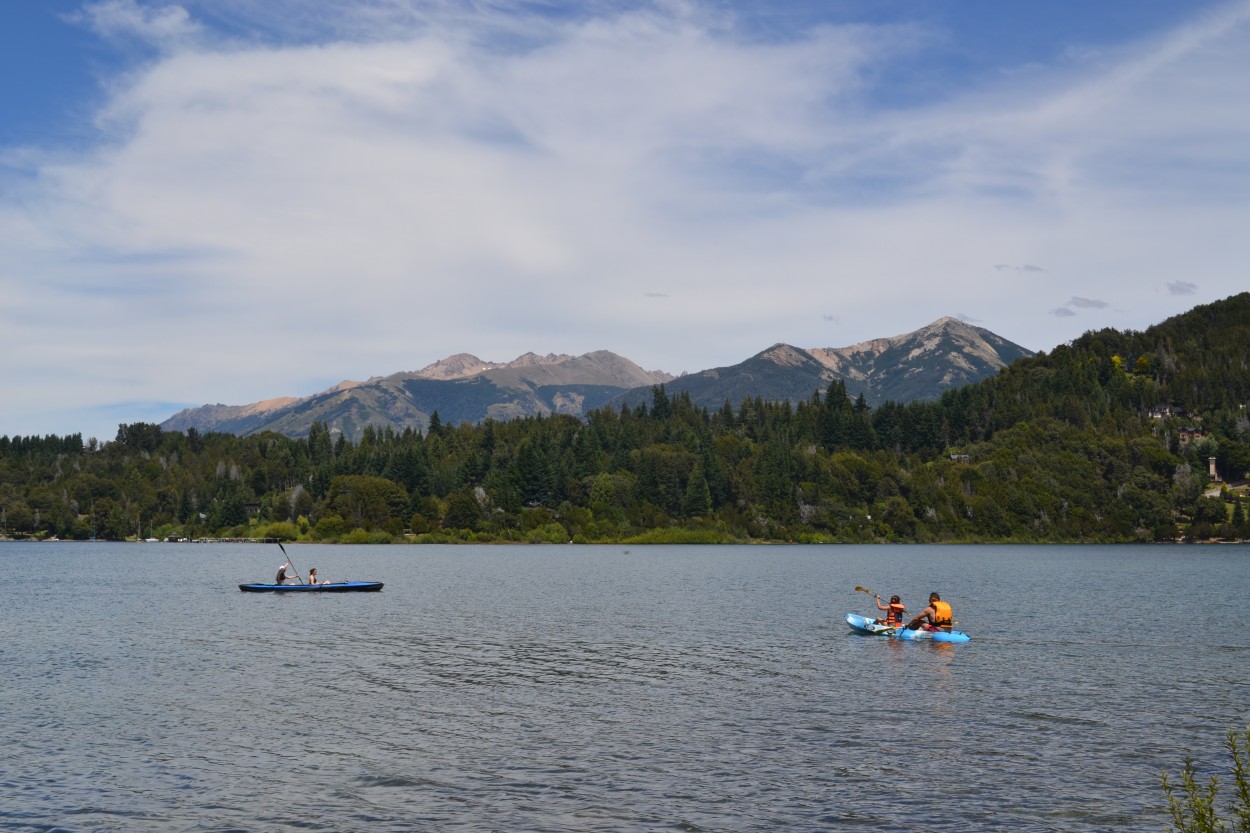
point(283, 576)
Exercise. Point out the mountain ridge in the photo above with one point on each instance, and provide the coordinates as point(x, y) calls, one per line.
point(463, 387)
point(530, 384)
point(919, 365)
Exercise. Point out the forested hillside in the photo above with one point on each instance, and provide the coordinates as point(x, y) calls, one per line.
point(1109, 438)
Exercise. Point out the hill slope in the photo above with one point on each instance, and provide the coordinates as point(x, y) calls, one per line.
point(1116, 436)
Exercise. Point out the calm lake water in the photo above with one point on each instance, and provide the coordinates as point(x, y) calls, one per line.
point(612, 688)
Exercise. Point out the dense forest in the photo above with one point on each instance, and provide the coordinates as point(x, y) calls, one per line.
point(1113, 437)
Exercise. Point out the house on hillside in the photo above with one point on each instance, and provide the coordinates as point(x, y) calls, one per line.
point(1191, 433)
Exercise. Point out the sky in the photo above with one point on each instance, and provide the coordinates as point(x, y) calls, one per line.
point(225, 201)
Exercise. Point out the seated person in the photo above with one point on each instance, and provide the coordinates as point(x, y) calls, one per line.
point(283, 577)
point(937, 616)
point(894, 612)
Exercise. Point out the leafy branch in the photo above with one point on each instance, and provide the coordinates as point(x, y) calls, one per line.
point(1194, 806)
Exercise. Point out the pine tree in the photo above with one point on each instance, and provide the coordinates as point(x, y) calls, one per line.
point(698, 499)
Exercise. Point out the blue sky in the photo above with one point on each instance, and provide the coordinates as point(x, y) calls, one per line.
point(234, 200)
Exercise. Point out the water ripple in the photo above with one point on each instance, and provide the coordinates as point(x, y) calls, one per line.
point(572, 688)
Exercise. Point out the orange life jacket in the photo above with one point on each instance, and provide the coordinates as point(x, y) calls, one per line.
point(943, 617)
point(894, 613)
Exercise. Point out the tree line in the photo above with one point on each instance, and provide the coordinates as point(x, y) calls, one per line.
point(1108, 438)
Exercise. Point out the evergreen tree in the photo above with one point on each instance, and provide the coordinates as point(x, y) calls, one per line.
point(697, 502)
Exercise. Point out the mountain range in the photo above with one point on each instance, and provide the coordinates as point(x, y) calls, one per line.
point(919, 365)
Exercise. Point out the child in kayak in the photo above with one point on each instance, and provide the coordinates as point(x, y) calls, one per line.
point(894, 612)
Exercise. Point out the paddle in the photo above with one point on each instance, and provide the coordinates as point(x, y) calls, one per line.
point(865, 590)
point(288, 562)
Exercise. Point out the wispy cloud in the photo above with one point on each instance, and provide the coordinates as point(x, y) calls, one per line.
point(1182, 288)
point(1075, 303)
point(167, 27)
point(286, 187)
point(1087, 303)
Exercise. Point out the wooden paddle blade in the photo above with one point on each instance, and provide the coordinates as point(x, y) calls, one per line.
point(864, 590)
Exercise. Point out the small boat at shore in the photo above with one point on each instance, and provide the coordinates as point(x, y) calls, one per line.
point(329, 587)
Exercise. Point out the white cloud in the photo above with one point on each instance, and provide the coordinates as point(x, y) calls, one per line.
point(164, 27)
point(266, 218)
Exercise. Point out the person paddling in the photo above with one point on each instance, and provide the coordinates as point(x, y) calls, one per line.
point(282, 574)
point(894, 612)
point(937, 616)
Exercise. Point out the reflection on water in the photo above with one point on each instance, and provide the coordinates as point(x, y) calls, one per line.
point(575, 688)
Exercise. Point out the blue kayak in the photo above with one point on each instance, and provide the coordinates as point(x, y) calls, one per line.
point(869, 626)
point(332, 587)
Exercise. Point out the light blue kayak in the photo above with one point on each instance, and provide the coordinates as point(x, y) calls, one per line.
point(870, 627)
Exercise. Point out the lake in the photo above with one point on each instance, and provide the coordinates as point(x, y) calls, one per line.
point(611, 688)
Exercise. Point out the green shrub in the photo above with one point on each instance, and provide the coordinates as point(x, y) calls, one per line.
point(548, 533)
point(278, 529)
point(358, 535)
point(1195, 809)
point(680, 535)
point(329, 528)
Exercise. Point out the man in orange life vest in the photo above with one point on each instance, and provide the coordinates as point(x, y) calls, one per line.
point(937, 616)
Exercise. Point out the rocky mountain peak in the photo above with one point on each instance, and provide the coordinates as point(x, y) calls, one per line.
point(535, 360)
point(466, 388)
point(458, 366)
point(786, 356)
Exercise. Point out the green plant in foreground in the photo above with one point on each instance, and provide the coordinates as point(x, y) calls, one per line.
point(1195, 810)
